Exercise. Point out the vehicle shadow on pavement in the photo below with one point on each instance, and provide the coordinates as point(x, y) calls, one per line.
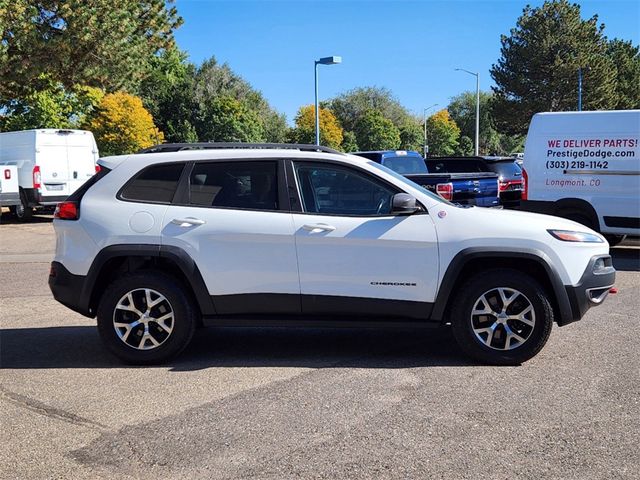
point(80, 347)
point(626, 259)
point(8, 219)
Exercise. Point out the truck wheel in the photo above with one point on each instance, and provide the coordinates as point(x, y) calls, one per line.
point(146, 318)
point(579, 218)
point(501, 317)
point(614, 239)
point(22, 212)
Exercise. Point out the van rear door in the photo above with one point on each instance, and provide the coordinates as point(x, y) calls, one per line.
point(66, 159)
point(81, 159)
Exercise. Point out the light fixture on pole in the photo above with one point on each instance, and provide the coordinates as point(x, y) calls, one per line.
point(323, 61)
point(426, 144)
point(477, 75)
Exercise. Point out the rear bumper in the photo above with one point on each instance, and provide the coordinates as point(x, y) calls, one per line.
point(9, 198)
point(591, 290)
point(69, 289)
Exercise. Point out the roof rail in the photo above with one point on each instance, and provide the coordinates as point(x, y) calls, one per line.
point(178, 147)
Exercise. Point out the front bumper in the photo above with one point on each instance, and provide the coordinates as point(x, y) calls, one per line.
point(592, 289)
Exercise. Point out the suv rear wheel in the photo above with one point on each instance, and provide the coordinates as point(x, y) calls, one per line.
point(501, 317)
point(146, 318)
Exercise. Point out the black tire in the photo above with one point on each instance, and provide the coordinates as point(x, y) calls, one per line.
point(614, 239)
point(125, 342)
point(22, 212)
point(579, 218)
point(534, 336)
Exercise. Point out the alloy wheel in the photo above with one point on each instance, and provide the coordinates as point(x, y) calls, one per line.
point(503, 318)
point(143, 319)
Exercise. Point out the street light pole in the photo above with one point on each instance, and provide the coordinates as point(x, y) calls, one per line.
point(426, 144)
point(323, 61)
point(579, 89)
point(477, 75)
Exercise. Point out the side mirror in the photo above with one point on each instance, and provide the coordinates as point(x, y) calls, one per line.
point(403, 203)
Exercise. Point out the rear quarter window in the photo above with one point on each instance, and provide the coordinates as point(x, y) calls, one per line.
point(155, 184)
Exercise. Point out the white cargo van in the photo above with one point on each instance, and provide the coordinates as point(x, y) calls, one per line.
point(51, 164)
point(585, 166)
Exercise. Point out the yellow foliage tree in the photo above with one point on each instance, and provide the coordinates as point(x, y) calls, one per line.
point(331, 133)
point(122, 125)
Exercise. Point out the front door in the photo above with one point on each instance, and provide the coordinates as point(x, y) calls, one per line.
point(354, 256)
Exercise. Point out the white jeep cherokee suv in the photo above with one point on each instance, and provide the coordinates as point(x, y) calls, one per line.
point(182, 235)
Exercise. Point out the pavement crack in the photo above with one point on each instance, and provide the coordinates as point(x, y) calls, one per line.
point(48, 411)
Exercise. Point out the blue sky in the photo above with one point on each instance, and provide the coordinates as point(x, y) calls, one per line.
point(410, 47)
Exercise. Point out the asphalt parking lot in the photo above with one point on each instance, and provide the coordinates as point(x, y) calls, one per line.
point(276, 404)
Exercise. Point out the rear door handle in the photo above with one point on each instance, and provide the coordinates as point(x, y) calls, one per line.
point(187, 222)
point(319, 227)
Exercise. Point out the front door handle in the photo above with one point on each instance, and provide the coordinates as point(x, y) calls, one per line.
point(319, 227)
point(187, 222)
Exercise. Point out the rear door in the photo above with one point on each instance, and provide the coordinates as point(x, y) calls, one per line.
point(234, 221)
point(66, 159)
point(82, 155)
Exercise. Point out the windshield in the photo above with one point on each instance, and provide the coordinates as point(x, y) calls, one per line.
point(406, 181)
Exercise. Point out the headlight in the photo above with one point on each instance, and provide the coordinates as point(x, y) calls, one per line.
point(571, 236)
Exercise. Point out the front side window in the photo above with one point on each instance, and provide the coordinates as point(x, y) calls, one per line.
point(250, 185)
point(156, 184)
point(333, 190)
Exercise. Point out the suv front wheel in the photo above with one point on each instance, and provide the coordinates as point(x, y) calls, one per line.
point(501, 317)
point(146, 318)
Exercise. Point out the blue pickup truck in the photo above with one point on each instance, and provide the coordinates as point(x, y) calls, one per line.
point(472, 188)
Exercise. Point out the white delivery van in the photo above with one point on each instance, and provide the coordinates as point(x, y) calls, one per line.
point(51, 164)
point(585, 166)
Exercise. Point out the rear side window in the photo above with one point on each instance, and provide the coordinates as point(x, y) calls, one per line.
point(250, 185)
point(156, 184)
point(470, 165)
point(406, 165)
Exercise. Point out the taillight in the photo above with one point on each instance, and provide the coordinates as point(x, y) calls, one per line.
point(7, 174)
point(37, 177)
point(445, 190)
point(66, 211)
point(98, 168)
point(525, 184)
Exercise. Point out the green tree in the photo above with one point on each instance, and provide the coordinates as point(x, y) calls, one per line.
point(101, 43)
point(539, 62)
point(464, 147)
point(350, 106)
point(226, 119)
point(462, 109)
point(305, 127)
point(168, 93)
point(375, 132)
point(213, 80)
point(52, 106)
point(122, 125)
point(442, 134)
point(412, 136)
point(626, 58)
point(349, 142)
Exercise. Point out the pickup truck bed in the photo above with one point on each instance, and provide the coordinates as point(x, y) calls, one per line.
point(474, 188)
point(480, 189)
